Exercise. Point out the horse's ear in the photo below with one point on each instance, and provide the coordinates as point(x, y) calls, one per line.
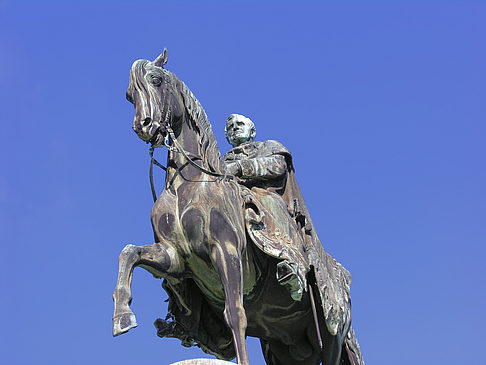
point(162, 59)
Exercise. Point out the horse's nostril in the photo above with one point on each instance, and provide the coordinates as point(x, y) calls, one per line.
point(146, 122)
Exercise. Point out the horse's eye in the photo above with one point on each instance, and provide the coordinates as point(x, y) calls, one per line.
point(156, 80)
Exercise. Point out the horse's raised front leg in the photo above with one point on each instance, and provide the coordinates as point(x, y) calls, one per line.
point(226, 258)
point(158, 258)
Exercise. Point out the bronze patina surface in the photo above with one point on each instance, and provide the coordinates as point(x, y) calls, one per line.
point(239, 255)
point(203, 362)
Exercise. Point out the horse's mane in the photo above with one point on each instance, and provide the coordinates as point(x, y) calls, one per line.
point(208, 145)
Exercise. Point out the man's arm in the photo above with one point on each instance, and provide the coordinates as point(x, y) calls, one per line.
point(264, 168)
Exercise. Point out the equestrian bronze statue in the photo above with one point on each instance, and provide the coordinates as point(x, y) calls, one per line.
point(237, 250)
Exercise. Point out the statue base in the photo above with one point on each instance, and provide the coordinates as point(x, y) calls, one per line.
point(203, 362)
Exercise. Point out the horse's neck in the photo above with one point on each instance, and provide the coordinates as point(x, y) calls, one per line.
point(177, 161)
point(200, 148)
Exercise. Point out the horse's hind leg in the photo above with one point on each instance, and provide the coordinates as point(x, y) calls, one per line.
point(157, 258)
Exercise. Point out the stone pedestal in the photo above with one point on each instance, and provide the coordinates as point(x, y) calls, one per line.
point(204, 362)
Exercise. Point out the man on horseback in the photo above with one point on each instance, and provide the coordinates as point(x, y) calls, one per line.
point(264, 167)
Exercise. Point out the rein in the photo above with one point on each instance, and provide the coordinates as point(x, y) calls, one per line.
point(178, 149)
point(151, 173)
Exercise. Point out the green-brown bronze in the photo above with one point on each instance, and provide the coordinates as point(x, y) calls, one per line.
point(237, 259)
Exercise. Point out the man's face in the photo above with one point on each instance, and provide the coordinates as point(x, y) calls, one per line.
point(239, 130)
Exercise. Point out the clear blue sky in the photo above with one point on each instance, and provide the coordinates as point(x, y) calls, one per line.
point(383, 105)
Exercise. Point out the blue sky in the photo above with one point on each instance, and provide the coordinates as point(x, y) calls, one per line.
point(381, 103)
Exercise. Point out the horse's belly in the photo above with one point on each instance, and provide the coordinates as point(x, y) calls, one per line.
point(206, 278)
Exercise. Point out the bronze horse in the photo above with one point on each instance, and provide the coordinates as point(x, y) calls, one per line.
point(222, 286)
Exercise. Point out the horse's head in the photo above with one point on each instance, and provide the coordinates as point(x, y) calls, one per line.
point(155, 94)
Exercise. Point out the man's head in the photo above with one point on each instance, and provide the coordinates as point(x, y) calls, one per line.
point(239, 129)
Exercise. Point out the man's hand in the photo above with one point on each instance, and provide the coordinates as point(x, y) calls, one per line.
point(233, 168)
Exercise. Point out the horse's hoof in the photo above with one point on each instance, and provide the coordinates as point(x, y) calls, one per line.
point(123, 323)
